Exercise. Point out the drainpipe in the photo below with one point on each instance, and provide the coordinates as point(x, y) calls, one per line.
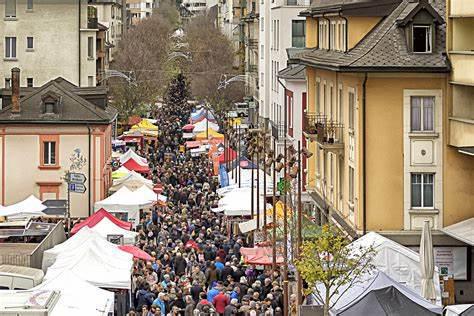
point(79, 41)
point(89, 169)
point(364, 159)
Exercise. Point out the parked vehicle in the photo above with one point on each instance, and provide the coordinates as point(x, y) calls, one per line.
point(19, 278)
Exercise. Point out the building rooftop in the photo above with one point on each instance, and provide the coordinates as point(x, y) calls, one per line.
point(70, 105)
point(293, 72)
point(385, 47)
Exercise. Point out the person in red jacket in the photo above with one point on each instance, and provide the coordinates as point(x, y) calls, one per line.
point(220, 302)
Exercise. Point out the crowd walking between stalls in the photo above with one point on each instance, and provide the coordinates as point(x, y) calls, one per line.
point(196, 266)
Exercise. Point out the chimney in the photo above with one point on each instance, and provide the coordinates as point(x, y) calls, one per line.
point(15, 90)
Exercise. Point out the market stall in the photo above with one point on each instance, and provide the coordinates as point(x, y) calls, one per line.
point(132, 181)
point(124, 204)
point(376, 293)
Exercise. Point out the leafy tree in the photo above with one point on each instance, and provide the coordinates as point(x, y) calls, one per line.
point(329, 261)
point(178, 91)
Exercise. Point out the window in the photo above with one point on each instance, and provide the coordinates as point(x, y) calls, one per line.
point(261, 79)
point(8, 83)
point(49, 153)
point(29, 5)
point(340, 107)
point(261, 24)
point(298, 33)
point(422, 114)
point(332, 36)
point(29, 82)
point(351, 185)
point(262, 52)
point(10, 9)
point(323, 35)
point(422, 38)
point(10, 47)
point(29, 42)
point(422, 190)
point(90, 47)
point(90, 81)
point(351, 111)
point(318, 97)
point(49, 108)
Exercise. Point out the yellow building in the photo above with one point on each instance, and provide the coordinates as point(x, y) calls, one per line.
point(378, 104)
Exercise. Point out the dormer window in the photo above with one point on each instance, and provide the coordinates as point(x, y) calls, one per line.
point(49, 108)
point(422, 38)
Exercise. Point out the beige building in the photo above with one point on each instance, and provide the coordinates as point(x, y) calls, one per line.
point(49, 130)
point(378, 110)
point(47, 40)
point(112, 15)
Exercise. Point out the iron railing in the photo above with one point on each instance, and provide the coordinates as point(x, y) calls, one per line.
point(327, 131)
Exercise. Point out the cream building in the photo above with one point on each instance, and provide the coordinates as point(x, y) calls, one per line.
point(112, 15)
point(43, 131)
point(47, 41)
point(138, 10)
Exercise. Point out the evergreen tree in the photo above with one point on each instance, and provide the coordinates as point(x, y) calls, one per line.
point(177, 93)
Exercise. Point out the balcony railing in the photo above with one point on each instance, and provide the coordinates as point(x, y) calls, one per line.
point(325, 131)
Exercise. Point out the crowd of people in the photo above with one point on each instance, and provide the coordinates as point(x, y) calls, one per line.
point(196, 266)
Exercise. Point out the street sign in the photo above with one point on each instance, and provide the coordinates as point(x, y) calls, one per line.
point(158, 188)
point(77, 178)
point(77, 187)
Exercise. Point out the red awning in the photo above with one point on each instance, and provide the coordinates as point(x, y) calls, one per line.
point(95, 218)
point(136, 252)
point(131, 164)
point(230, 154)
point(188, 127)
point(260, 256)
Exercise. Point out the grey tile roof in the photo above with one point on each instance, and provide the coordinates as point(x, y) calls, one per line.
point(384, 48)
point(293, 72)
point(73, 109)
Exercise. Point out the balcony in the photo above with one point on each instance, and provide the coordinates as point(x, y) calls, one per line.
point(278, 131)
point(461, 132)
point(252, 68)
point(327, 133)
point(463, 63)
point(462, 8)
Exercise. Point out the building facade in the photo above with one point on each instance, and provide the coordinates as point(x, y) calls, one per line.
point(376, 121)
point(250, 24)
point(281, 28)
point(48, 130)
point(137, 10)
point(112, 15)
point(33, 37)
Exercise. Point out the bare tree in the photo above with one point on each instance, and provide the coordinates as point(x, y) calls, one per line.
point(212, 56)
point(142, 55)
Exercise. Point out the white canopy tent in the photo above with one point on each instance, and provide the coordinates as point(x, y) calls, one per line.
point(251, 225)
point(78, 297)
point(463, 231)
point(31, 206)
point(460, 310)
point(399, 262)
point(246, 178)
point(124, 201)
point(203, 125)
point(130, 154)
point(146, 193)
point(90, 239)
point(105, 228)
point(132, 181)
point(374, 294)
point(239, 203)
point(96, 267)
